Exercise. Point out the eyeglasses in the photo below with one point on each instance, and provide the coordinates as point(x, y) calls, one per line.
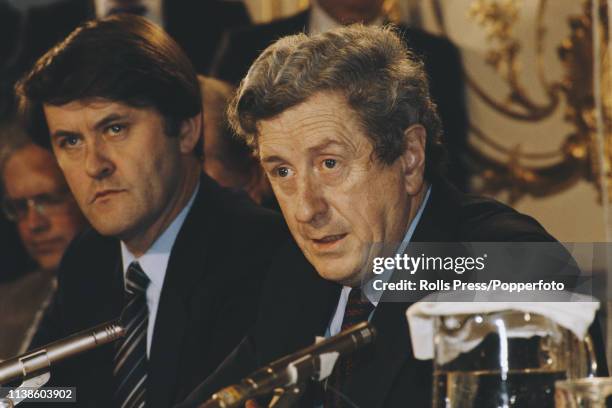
point(44, 204)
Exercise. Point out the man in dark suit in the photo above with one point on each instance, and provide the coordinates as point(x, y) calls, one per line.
point(348, 135)
point(242, 45)
point(178, 257)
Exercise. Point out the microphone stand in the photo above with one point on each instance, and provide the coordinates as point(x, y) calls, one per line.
point(287, 397)
point(32, 383)
point(34, 366)
point(286, 377)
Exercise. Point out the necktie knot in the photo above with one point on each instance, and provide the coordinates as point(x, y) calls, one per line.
point(136, 281)
point(358, 309)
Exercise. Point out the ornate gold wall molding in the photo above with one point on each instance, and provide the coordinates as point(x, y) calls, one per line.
point(586, 152)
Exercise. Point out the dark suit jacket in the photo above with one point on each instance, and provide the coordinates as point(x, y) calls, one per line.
point(297, 305)
point(241, 46)
point(208, 301)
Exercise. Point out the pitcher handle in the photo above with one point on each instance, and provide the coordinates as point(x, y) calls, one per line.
point(592, 358)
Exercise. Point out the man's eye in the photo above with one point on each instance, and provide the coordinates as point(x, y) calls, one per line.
point(115, 129)
point(20, 205)
point(282, 171)
point(50, 199)
point(69, 141)
point(330, 163)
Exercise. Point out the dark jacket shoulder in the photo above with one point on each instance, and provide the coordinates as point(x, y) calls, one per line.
point(453, 216)
point(236, 208)
point(243, 230)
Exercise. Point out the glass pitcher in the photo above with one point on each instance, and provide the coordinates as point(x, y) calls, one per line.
point(504, 359)
point(584, 393)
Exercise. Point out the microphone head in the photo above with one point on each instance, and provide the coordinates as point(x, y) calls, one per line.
point(365, 333)
point(109, 332)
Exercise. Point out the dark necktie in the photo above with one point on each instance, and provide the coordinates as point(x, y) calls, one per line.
point(358, 309)
point(130, 368)
point(127, 6)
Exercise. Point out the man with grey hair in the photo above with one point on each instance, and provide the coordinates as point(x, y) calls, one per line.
point(349, 137)
point(37, 199)
point(242, 45)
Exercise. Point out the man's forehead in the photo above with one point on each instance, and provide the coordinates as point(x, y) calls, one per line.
point(85, 112)
point(93, 105)
point(321, 121)
point(32, 168)
point(32, 156)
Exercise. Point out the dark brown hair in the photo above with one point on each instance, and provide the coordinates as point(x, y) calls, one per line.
point(124, 59)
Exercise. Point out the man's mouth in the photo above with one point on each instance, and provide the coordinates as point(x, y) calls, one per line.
point(103, 194)
point(46, 246)
point(329, 240)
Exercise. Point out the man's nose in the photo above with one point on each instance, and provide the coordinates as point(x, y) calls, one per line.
point(312, 207)
point(35, 219)
point(98, 164)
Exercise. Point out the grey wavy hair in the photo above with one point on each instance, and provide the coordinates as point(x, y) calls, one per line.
point(381, 79)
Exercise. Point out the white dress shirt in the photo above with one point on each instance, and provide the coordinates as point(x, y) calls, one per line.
point(319, 21)
point(335, 325)
point(154, 263)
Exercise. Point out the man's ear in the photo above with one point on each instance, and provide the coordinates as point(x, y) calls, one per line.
point(190, 133)
point(413, 158)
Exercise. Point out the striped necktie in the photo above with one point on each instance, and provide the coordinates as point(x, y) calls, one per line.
point(130, 365)
point(358, 309)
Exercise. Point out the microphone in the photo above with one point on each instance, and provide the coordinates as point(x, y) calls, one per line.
point(314, 361)
point(38, 360)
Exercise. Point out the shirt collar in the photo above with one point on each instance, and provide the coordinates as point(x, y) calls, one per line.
point(155, 261)
point(375, 297)
point(319, 21)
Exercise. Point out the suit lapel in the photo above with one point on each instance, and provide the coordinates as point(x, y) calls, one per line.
point(439, 222)
point(307, 303)
point(100, 299)
point(307, 306)
point(105, 279)
point(185, 266)
point(371, 384)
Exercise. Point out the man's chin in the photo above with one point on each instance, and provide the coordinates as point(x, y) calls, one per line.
point(51, 263)
point(343, 276)
point(115, 229)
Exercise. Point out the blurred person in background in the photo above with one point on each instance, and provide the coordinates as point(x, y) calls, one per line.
point(227, 159)
point(241, 46)
point(37, 199)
